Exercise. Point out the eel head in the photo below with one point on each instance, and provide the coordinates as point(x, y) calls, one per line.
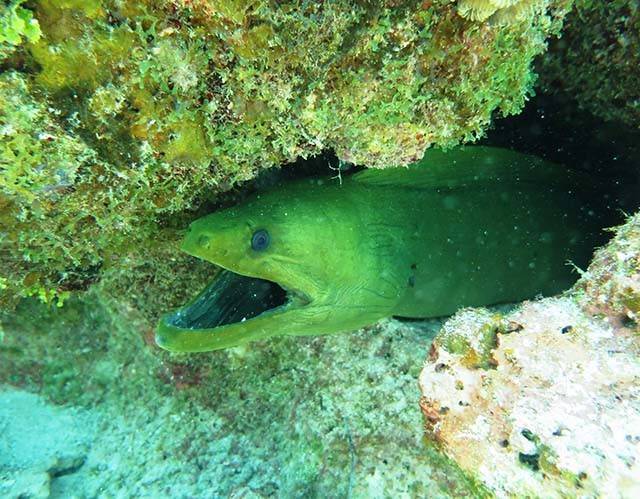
point(283, 261)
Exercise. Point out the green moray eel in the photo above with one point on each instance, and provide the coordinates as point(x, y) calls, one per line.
point(470, 227)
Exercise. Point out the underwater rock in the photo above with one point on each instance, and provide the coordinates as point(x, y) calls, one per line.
point(25, 485)
point(545, 400)
point(39, 443)
point(597, 59)
point(610, 288)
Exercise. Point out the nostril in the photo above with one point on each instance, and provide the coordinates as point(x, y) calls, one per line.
point(203, 241)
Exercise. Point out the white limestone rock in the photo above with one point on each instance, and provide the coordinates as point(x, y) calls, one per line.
point(545, 401)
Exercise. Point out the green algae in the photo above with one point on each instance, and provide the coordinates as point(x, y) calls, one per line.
point(473, 337)
point(17, 25)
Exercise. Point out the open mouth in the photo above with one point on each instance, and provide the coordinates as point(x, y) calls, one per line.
point(232, 298)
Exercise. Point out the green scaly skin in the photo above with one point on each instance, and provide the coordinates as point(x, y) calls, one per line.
point(471, 227)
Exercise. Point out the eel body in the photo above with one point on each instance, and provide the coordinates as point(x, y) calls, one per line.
point(471, 227)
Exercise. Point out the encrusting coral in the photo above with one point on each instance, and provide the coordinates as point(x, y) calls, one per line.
point(501, 11)
point(117, 118)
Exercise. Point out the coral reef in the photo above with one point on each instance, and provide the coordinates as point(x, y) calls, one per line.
point(548, 394)
point(120, 122)
point(118, 117)
point(597, 60)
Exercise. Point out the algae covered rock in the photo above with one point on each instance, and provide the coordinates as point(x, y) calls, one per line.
point(119, 117)
point(545, 400)
point(597, 59)
point(611, 286)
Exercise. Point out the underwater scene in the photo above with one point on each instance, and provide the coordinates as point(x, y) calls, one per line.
point(319, 249)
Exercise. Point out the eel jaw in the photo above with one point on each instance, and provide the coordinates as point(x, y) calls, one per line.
point(231, 310)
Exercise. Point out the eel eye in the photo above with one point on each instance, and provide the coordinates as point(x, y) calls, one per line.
point(260, 240)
